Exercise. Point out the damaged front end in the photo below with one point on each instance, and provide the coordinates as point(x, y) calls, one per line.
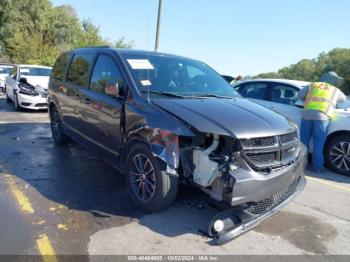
point(26, 88)
point(250, 178)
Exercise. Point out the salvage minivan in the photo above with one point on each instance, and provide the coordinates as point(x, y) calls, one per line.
point(163, 120)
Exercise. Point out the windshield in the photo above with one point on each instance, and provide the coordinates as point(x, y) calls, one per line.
point(175, 77)
point(5, 70)
point(35, 71)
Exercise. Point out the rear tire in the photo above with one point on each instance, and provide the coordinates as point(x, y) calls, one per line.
point(337, 154)
point(150, 188)
point(58, 134)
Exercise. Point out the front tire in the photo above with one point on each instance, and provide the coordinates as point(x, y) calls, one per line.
point(58, 135)
point(337, 154)
point(8, 99)
point(150, 188)
point(16, 104)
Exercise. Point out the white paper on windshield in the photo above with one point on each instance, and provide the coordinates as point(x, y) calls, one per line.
point(25, 70)
point(146, 82)
point(140, 64)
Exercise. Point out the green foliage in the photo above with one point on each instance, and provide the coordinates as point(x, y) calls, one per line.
point(36, 32)
point(337, 60)
point(268, 75)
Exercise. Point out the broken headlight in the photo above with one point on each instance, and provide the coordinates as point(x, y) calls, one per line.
point(27, 90)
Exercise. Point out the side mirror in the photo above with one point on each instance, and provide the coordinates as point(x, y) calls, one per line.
point(23, 80)
point(299, 103)
point(115, 89)
point(13, 76)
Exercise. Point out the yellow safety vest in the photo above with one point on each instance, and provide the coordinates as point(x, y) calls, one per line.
point(322, 97)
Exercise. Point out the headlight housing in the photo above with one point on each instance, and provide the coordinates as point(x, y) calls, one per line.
point(294, 125)
point(27, 90)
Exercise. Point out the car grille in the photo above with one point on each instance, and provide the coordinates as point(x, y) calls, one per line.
point(263, 141)
point(262, 158)
point(41, 105)
point(269, 203)
point(288, 137)
point(271, 152)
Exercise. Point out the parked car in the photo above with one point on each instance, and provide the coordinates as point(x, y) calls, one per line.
point(281, 96)
point(26, 86)
point(163, 120)
point(228, 78)
point(5, 70)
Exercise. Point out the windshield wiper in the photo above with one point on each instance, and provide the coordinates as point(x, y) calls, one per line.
point(213, 95)
point(163, 93)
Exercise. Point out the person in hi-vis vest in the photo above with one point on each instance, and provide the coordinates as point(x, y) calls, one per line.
point(321, 99)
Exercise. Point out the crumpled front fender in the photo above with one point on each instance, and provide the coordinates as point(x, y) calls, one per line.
point(165, 145)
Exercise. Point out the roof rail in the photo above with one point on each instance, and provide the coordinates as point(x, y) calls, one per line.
point(97, 46)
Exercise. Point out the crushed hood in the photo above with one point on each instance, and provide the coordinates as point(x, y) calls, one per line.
point(42, 81)
point(233, 117)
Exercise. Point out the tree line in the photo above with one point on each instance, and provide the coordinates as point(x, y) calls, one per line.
point(36, 32)
point(337, 60)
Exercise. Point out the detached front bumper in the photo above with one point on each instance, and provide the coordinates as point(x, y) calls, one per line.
point(38, 102)
point(256, 198)
point(242, 220)
point(251, 186)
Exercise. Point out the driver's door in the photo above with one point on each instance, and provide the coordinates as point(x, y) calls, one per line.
point(282, 98)
point(100, 114)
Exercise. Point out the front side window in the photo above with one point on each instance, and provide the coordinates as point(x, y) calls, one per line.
point(105, 72)
point(254, 90)
point(5, 70)
point(284, 94)
point(79, 69)
point(161, 75)
point(34, 71)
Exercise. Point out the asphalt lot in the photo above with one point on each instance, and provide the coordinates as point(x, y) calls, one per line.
point(64, 201)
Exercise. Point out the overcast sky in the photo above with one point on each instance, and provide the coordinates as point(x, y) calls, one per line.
point(234, 36)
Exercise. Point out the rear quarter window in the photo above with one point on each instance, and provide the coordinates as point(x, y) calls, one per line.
point(80, 68)
point(60, 67)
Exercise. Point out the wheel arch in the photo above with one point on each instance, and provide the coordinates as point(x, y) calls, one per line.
point(140, 138)
point(51, 105)
point(333, 135)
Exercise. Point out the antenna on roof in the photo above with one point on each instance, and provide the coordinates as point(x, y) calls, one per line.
point(158, 25)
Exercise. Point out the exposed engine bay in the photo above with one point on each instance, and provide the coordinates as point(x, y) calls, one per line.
point(207, 160)
point(252, 178)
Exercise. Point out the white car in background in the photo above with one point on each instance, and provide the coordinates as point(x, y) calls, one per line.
point(5, 70)
point(281, 96)
point(26, 86)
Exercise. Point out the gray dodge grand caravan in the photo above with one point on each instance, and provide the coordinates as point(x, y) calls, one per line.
point(164, 120)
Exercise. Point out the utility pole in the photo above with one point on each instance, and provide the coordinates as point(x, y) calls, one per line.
point(158, 25)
